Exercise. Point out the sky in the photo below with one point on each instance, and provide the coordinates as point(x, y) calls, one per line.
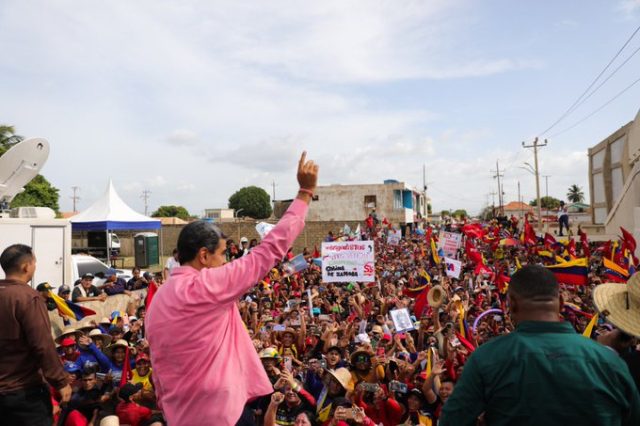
point(193, 100)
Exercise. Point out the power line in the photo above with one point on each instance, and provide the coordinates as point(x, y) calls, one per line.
point(609, 77)
point(574, 105)
point(597, 110)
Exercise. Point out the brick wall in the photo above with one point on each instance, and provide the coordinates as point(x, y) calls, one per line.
point(312, 235)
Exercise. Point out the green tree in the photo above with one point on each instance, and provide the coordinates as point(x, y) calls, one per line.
point(38, 193)
point(445, 213)
point(172, 211)
point(429, 211)
point(460, 213)
point(251, 201)
point(487, 213)
point(575, 194)
point(8, 138)
point(548, 203)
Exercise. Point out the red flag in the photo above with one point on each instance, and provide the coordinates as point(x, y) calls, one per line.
point(585, 243)
point(421, 303)
point(549, 240)
point(151, 291)
point(529, 233)
point(628, 239)
point(467, 344)
point(472, 252)
point(571, 248)
point(126, 369)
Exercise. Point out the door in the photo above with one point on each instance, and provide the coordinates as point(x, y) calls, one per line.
point(48, 246)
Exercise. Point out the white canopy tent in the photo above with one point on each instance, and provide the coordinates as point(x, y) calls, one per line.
point(110, 213)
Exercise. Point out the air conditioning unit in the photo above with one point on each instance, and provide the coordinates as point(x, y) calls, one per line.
point(33, 213)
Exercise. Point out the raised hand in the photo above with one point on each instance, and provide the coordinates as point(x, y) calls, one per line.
point(307, 173)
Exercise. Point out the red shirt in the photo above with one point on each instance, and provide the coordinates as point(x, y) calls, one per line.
point(132, 414)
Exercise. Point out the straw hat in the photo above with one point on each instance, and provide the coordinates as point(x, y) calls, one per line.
point(118, 343)
point(68, 332)
point(106, 339)
point(619, 304)
point(291, 331)
point(359, 352)
point(110, 421)
point(435, 296)
point(343, 376)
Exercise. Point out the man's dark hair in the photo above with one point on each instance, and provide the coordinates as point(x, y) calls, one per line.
point(14, 256)
point(136, 268)
point(534, 282)
point(195, 236)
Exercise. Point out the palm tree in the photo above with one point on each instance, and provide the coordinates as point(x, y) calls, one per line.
point(8, 138)
point(575, 194)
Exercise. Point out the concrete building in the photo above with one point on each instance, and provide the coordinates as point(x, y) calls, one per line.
point(398, 202)
point(614, 180)
point(219, 215)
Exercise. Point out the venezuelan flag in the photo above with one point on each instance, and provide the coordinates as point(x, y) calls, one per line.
point(70, 309)
point(615, 272)
point(424, 278)
point(434, 253)
point(574, 272)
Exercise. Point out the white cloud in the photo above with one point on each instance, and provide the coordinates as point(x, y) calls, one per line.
point(629, 7)
point(182, 137)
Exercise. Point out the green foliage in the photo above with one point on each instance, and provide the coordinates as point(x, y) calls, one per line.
point(549, 203)
point(8, 138)
point(38, 193)
point(575, 194)
point(460, 213)
point(429, 211)
point(487, 213)
point(254, 202)
point(172, 211)
point(445, 213)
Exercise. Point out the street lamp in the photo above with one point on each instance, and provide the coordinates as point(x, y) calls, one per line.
point(235, 213)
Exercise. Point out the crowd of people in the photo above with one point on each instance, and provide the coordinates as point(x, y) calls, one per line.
point(508, 340)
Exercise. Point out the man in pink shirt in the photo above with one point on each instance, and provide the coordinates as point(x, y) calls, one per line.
point(205, 367)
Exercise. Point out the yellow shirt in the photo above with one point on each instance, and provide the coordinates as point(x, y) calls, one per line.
point(145, 380)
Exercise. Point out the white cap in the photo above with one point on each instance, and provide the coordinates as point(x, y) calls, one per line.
point(244, 240)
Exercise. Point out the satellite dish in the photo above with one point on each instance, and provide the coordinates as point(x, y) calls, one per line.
point(20, 165)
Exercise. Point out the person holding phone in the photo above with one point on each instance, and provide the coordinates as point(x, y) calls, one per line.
point(201, 294)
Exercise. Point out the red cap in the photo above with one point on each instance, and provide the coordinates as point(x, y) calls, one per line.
point(143, 356)
point(386, 337)
point(67, 342)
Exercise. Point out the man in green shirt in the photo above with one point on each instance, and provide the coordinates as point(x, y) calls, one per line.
point(543, 373)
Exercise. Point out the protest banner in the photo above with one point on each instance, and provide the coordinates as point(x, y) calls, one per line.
point(450, 242)
point(394, 237)
point(348, 261)
point(454, 267)
point(401, 320)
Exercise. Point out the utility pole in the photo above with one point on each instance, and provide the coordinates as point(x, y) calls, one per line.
point(425, 213)
point(145, 197)
point(75, 197)
point(535, 147)
point(519, 202)
point(498, 175)
point(546, 183)
point(273, 186)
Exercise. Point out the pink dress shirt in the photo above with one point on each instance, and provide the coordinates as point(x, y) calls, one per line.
point(205, 367)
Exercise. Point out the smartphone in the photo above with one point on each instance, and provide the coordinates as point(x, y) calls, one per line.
point(323, 363)
point(288, 364)
point(100, 376)
point(370, 387)
point(396, 386)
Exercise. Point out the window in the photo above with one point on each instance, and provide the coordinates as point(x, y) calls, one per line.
point(397, 199)
point(598, 188)
point(598, 159)
point(617, 183)
point(616, 151)
point(91, 266)
point(600, 215)
point(370, 201)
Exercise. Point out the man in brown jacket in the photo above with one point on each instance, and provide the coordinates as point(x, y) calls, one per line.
point(27, 353)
